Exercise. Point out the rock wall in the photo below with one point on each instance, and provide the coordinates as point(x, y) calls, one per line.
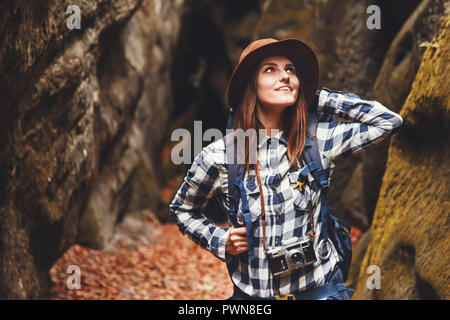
point(81, 115)
point(142, 52)
point(391, 88)
point(393, 84)
point(409, 233)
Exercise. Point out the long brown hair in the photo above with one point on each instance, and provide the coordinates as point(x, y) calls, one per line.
point(294, 120)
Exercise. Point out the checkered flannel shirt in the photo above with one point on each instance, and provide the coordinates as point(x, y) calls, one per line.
point(286, 208)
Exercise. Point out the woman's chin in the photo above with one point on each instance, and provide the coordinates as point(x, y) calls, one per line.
point(284, 104)
point(278, 104)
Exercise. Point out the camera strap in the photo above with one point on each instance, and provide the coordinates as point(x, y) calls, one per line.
point(312, 233)
point(263, 210)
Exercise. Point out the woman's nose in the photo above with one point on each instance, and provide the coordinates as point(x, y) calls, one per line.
point(284, 76)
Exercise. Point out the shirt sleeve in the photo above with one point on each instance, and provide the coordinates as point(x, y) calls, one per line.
point(200, 184)
point(371, 122)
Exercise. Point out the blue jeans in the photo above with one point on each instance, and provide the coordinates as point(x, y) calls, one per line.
point(336, 277)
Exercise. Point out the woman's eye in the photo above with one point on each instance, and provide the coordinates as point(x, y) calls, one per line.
point(269, 69)
point(290, 69)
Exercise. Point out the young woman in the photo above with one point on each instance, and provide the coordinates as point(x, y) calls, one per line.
point(272, 88)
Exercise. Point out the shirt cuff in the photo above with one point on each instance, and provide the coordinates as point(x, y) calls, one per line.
point(323, 96)
point(219, 245)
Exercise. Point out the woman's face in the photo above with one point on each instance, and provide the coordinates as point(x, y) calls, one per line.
point(277, 82)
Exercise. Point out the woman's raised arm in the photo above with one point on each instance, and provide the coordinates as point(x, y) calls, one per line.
point(371, 123)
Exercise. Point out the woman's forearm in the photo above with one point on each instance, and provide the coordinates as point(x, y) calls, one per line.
point(351, 107)
point(200, 183)
point(370, 123)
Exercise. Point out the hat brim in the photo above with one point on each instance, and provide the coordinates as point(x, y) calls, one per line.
point(303, 57)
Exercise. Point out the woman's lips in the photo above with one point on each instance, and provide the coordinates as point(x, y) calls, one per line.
point(284, 88)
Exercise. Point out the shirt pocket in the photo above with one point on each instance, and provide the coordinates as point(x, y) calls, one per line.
point(253, 199)
point(300, 198)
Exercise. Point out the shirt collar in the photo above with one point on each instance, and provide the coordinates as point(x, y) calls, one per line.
point(279, 136)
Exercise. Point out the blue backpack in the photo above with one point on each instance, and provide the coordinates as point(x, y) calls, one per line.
point(332, 227)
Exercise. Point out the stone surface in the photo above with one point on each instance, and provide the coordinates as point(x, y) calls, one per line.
point(141, 51)
point(82, 113)
point(409, 233)
point(393, 84)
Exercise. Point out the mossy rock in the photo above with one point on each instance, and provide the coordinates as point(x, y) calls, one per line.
point(409, 232)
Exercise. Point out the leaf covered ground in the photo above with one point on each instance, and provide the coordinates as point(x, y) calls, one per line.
point(165, 265)
point(144, 261)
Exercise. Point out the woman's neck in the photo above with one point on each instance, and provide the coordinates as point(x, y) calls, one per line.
point(271, 119)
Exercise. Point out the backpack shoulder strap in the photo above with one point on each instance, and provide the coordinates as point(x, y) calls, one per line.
point(314, 165)
point(236, 189)
point(321, 175)
point(235, 171)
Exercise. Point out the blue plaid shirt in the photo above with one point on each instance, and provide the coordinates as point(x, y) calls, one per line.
point(286, 208)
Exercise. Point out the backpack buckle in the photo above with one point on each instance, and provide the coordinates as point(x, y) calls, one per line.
point(289, 296)
point(324, 184)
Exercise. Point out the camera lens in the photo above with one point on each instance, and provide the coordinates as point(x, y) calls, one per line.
point(297, 258)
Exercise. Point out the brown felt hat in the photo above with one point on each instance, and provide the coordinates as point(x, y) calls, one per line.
point(297, 51)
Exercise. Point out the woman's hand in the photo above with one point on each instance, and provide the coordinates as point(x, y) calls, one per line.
point(237, 241)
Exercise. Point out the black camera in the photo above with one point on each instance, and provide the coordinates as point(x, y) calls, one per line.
point(293, 254)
